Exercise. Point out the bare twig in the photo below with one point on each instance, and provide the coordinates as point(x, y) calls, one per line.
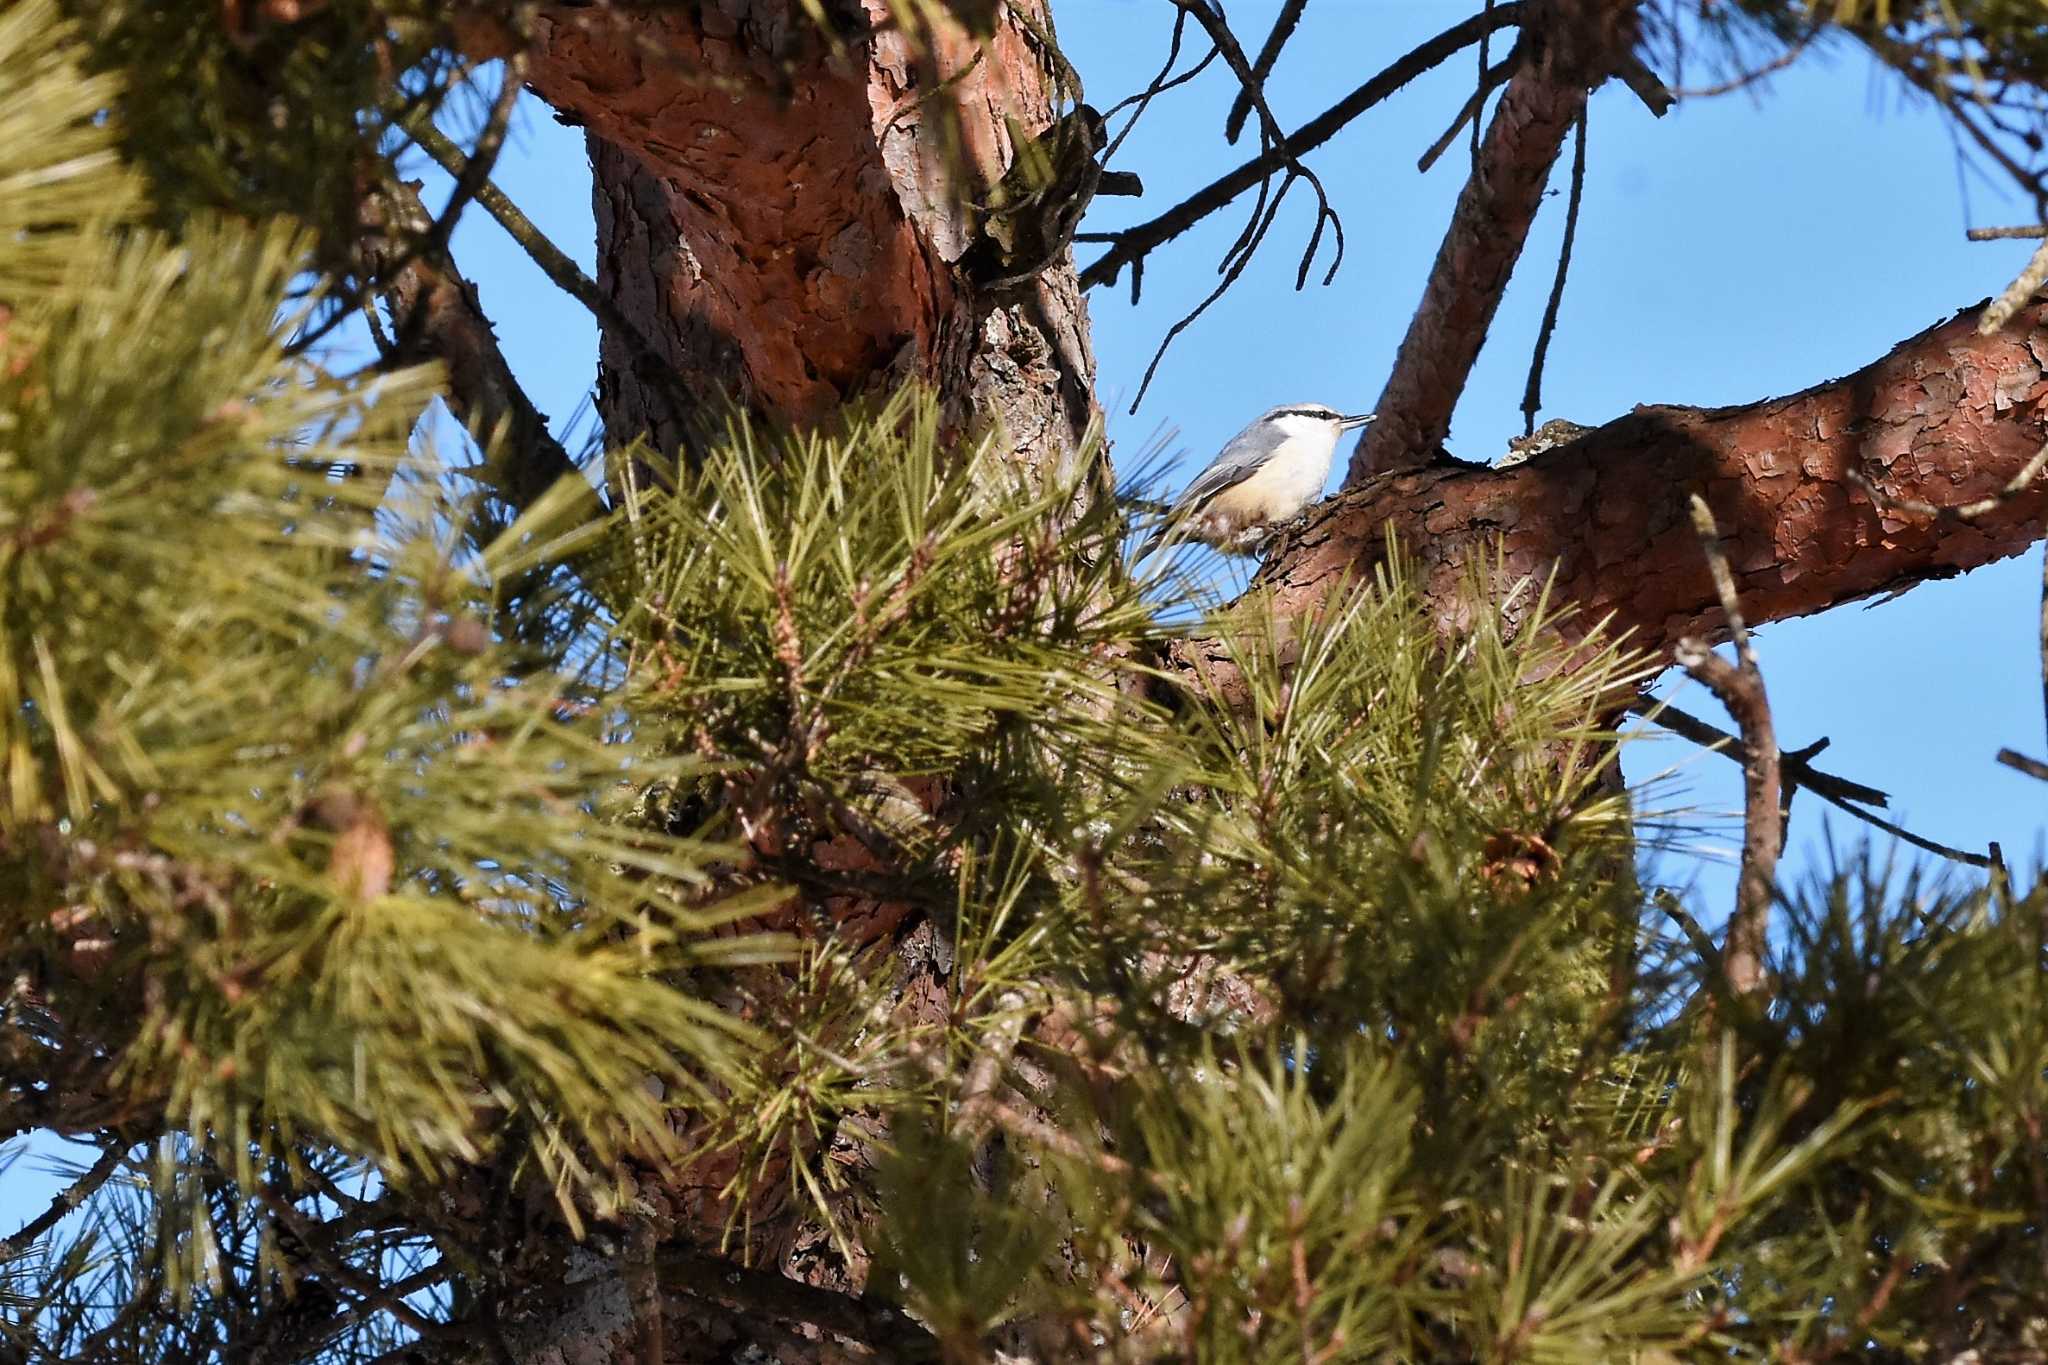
point(476, 172)
point(1797, 766)
point(1747, 78)
point(1485, 61)
point(1740, 688)
point(1235, 267)
point(1532, 392)
point(433, 303)
point(1133, 244)
point(1724, 580)
point(330, 1261)
point(2006, 234)
point(1796, 771)
point(2017, 294)
point(1490, 80)
point(1283, 28)
point(1904, 835)
point(2032, 767)
point(419, 107)
point(552, 260)
point(1157, 86)
point(1270, 133)
point(66, 1201)
point(1902, 58)
point(397, 1291)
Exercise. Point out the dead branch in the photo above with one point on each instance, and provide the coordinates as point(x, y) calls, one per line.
point(1532, 391)
point(1490, 80)
point(1798, 772)
point(2032, 767)
point(1283, 28)
point(1740, 687)
point(66, 1201)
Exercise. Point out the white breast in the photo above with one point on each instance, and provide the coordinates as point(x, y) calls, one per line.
point(1288, 482)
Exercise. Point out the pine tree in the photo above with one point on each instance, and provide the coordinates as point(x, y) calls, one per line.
point(815, 899)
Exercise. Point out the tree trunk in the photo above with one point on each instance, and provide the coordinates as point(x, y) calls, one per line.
point(777, 226)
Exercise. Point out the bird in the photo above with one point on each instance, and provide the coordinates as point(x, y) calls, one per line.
point(1264, 476)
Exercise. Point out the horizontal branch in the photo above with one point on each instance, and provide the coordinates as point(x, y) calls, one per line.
point(1798, 769)
point(879, 1326)
point(1948, 417)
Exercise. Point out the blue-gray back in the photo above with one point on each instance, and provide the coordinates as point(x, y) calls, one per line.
point(1239, 459)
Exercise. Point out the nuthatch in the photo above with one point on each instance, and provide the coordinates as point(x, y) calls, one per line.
point(1269, 472)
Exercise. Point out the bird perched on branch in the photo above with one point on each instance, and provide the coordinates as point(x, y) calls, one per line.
point(1263, 477)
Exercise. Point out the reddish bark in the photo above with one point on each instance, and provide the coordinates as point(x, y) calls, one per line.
point(778, 223)
point(1945, 418)
point(1567, 47)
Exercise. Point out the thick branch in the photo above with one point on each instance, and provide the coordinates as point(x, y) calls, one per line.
point(1566, 48)
point(1946, 418)
point(877, 1325)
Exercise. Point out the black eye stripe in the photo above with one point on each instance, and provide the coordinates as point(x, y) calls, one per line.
point(1324, 414)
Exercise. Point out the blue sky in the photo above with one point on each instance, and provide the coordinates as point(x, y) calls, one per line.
point(1743, 246)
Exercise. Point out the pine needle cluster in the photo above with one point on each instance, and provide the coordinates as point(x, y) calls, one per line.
point(820, 863)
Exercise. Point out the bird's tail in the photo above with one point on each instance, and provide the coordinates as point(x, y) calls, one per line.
point(1170, 522)
point(1173, 529)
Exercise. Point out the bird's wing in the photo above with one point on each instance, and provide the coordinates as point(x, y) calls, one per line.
point(1236, 462)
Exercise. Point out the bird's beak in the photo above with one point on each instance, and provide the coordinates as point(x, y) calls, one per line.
point(1347, 423)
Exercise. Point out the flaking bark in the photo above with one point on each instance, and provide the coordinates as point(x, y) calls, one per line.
point(779, 223)
point(1947, 417)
